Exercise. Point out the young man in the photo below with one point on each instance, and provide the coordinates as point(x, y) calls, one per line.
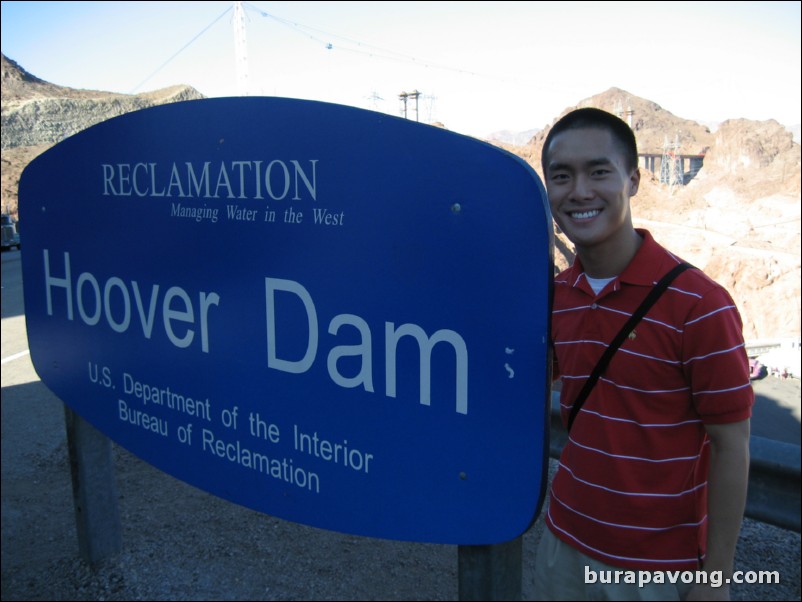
point(654, 475)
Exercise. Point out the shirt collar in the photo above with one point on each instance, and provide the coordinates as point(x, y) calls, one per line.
point(647, 266)
point(644, 269)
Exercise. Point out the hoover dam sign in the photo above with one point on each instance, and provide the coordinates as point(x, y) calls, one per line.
point(330, 315)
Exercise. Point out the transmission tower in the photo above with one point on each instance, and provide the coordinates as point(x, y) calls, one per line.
point(428, 107)
point(240, 49)
point(374, 99)
point(671, 164)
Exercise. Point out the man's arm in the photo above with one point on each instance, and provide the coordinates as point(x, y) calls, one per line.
point(726, 498)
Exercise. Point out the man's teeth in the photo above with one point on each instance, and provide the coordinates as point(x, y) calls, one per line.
point(585, 214)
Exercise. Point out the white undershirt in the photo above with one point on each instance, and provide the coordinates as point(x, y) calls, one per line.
point(597, 284)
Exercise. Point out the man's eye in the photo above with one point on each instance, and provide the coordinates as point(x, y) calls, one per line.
point(600, 172)
point(559, 177)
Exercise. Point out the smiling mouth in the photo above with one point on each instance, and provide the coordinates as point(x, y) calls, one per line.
point(590, 213)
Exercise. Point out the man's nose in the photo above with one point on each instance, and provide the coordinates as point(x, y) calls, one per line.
point(583, 189)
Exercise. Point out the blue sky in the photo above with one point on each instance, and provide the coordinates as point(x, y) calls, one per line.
point(479, 66)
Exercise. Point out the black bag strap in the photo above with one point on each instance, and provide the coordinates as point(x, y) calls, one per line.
point(636, 317)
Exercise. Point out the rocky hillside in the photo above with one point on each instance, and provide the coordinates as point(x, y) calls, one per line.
point(652, 124)
point(36, 115)
point(35, 112)
point(738, 218)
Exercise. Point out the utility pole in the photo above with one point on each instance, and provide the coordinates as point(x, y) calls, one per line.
point(406, 96)
point(415, 95)
point(240, 49)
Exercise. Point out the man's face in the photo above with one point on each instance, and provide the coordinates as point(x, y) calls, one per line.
point(589, 187)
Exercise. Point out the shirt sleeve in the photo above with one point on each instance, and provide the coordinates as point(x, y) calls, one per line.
point(715, 359)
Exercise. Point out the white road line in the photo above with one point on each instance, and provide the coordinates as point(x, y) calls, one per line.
point(16, 356)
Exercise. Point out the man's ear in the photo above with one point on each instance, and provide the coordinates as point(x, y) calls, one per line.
point(634, 182)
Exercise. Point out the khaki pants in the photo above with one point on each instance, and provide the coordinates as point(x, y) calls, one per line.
point(561, 573)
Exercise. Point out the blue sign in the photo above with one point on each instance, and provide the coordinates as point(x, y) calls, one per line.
point(330, 315)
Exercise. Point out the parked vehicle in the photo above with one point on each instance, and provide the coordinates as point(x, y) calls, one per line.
point(10, 234)
point(757, 370)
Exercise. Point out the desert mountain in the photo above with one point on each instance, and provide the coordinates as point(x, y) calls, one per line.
point(510, 137)
point(652, 124)
point(737, 218)
point(35, 112)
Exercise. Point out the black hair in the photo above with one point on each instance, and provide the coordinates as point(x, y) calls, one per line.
point(592, 118)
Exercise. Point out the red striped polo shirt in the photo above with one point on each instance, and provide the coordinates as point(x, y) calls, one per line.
point(631, 485)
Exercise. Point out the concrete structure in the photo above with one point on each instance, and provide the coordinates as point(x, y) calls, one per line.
point(687, 165)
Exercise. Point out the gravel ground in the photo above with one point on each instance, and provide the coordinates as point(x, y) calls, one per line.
point(180, 543)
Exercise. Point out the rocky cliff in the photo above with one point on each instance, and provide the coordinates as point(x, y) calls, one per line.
point(653, 125)
point(35, 112)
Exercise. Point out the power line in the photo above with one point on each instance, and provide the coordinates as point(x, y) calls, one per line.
point(324, 39)
point(184, 47)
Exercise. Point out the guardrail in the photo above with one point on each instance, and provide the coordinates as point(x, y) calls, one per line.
point(757, 347)
point(774, 475)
